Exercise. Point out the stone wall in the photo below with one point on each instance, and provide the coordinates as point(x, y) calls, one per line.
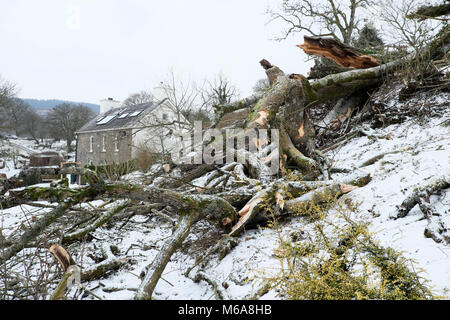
point(104, 151)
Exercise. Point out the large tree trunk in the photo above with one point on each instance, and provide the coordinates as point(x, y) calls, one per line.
point(285, 105)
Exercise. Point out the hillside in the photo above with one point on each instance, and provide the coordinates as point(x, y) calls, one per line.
point(47, 104)
point(410, 153)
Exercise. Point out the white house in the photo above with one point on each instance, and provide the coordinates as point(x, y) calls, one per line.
point(119, 134)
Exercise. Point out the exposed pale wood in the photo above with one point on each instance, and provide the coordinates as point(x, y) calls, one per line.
point(61, 254)
point(248, 212)
point(342, 54)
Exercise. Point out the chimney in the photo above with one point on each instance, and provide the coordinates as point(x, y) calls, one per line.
point(108, 104)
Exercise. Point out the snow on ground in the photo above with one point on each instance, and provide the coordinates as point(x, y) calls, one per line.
point(17, 146)
point(9, 169)
point(414, 155)
point(422, 154)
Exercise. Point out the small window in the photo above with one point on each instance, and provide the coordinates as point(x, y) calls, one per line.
point(165, 116)
point(100, 119)
point(136, 113)
point(116, 143)
point(106, 119)
point(91, 144)
point(104, 144)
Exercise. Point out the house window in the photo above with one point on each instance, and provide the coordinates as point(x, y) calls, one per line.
point(116, 143)
point(165, 116)
point(91, 144)
point(104, 144)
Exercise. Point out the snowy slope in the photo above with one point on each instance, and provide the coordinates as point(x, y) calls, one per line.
point(415, 154)
point(424, 155)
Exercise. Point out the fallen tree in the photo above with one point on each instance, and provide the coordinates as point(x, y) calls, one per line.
point(232, 196)
point(431, 11)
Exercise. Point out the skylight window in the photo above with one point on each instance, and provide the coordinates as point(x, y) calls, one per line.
point(107, 119)
point(123, 115)
point(134, 114)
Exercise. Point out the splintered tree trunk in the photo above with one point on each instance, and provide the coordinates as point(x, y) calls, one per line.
point(285, 107)
point(342, 54)
point(342, 110)
point(343, 84)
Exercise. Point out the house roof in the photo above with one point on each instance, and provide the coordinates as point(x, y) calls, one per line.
point(120, 118)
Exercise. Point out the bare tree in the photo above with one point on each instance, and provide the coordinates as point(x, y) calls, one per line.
point(65, 119)
point(189, 102)
point(401, 30)
point(336, 18)
point(183, 94)
point(220, 90)
point(142, 96)
point(16, 112)
point(33, 125)
point(261, 86)
point(7, 91)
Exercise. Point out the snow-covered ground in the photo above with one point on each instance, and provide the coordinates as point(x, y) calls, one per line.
point(414, 155)
point(21, 146)
point(424, 154)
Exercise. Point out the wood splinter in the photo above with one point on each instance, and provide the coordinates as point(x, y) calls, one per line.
point(342, 54)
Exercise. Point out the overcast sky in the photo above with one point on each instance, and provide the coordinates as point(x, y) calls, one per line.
point(87, 50)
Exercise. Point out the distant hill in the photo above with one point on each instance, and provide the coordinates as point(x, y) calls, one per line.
point(42, 105)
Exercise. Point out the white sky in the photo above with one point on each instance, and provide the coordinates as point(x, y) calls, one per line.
point(87, 50)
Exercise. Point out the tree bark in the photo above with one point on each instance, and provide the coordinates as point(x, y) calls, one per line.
point(342, 54)
point(436, 228)
point(426, 12)
point(422, 192)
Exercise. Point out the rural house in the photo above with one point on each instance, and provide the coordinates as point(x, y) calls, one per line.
point(119, 133)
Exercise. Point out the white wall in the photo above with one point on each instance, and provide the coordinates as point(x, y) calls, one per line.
point(156, 135)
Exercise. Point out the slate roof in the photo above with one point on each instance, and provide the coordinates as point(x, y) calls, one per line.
point(120, 118)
